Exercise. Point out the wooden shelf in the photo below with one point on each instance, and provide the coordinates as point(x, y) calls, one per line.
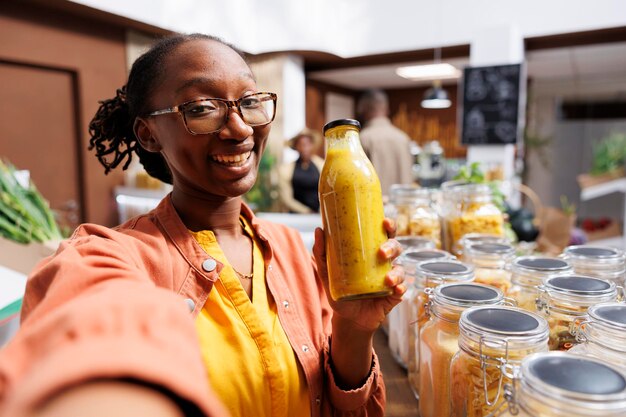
point(595, 191)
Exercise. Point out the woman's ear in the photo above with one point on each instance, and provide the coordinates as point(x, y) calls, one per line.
point(144, 135)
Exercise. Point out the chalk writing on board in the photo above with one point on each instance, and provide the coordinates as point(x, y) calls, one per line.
point(491, 102)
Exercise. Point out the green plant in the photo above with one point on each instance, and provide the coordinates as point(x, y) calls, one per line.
point(25, 215)
point(475, 175)
point(609, 154)
point(567, 207)
point(262, 195)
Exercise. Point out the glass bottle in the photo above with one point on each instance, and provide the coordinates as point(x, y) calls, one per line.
point(559, 384)
point(400, 317)
point(528, 272)
point(492, 343)
point(603, 333)
point(471, 211)
point(598, 261)
point(352, 214)
point(429, 275)
point(564, 299)
point(491, 262)
point(439, 340)
point(414, 213)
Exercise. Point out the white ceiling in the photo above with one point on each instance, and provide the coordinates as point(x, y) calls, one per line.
point(581, 63)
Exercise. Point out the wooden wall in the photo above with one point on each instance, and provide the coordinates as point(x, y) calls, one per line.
point(55, 67)
point(422, 125)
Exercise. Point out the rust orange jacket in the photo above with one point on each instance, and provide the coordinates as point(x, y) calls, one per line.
point(121, 303)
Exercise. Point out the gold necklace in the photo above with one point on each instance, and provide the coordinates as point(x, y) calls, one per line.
point(243, 276)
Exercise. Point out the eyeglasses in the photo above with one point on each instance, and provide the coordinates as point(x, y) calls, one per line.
point(209, 115)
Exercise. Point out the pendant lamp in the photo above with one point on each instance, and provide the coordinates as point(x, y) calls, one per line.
point(436, 97)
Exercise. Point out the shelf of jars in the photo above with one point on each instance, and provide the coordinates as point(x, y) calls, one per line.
point(483, 323)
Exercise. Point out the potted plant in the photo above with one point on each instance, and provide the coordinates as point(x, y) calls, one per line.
point(609, 156)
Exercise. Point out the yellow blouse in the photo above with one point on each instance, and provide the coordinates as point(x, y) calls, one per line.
point(249, 361)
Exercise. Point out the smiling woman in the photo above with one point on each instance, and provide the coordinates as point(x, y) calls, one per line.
point(197, 304)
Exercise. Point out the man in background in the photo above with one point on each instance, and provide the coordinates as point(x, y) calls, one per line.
point(385, 145)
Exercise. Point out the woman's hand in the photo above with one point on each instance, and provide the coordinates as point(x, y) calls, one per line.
point(365, 314)
point(354, 322)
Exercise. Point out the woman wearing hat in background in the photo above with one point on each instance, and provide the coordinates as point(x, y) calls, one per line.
point(299, 179)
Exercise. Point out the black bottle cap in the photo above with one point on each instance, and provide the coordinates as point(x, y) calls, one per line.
point(342, 122)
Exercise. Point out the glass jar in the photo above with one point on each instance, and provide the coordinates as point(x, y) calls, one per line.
point(471, 210)
point(491, 263)
point(399, 318)
point(559, 384)
point(603, 333)
point(476, 238)
point(351, 204)
point(492, 343)
point(439, 340)
point(528, 272)
point(564, 299)
point(597, 261)
point(429, 274)
point(414, 212)
point(412, 243)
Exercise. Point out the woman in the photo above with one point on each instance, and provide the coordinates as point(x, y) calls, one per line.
point(139, 319)
point(299, 179)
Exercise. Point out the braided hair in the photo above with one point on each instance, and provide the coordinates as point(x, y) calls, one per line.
point(111, 129)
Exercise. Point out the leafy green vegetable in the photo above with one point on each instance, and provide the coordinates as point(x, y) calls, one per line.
point(25, 215)
point(475, 175)
point(609, 154)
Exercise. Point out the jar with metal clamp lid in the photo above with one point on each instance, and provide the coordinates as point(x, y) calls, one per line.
point(409, 243)
point(478, 238)
point(399, 318)
point(414, 213)
point(560, 384)
point(429, 274)
point(597, 261)
point(603, 333)
point(492, 343)
point(528, 272)
point(564, 299)
point(439, 340)
point(471, 210)
point(491, 262)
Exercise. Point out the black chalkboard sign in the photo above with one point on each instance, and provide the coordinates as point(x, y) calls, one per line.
point(491, 105)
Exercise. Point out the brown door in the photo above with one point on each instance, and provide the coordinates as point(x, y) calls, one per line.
point(38, 133)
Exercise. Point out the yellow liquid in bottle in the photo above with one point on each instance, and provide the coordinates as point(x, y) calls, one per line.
point(352, 214)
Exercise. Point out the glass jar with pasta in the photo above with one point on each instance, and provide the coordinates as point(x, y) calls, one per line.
point(414, 212)
point(564, 299)
point(471, 210)
point(598, 261)
point(528, 272)
point(491, 263)
point(429, 275)
point(559, 384)
point(399, 318)
point(492, 343)
point(603, 333)
point(439, 340)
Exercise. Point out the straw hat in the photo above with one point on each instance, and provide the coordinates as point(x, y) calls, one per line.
point(317, 138)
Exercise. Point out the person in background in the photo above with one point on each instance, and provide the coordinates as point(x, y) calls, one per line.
point(385, 145)
point(197, 308)
point(299, 179)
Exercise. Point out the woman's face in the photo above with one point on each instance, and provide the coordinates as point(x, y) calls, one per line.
point(304, 146)
point(224, 163)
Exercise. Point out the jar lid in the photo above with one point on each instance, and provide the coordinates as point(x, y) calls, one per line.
point(613, 314)
point(505, 321)
point(492, 248)
point(539, 264)
point(407, 194)
point(594, 252)
point(445, 270)
point(413, 242)
point(472, 239)
point(470, 293)
point(579, 285)
point(342, 122)
point(573, 374)
point(427, 255)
